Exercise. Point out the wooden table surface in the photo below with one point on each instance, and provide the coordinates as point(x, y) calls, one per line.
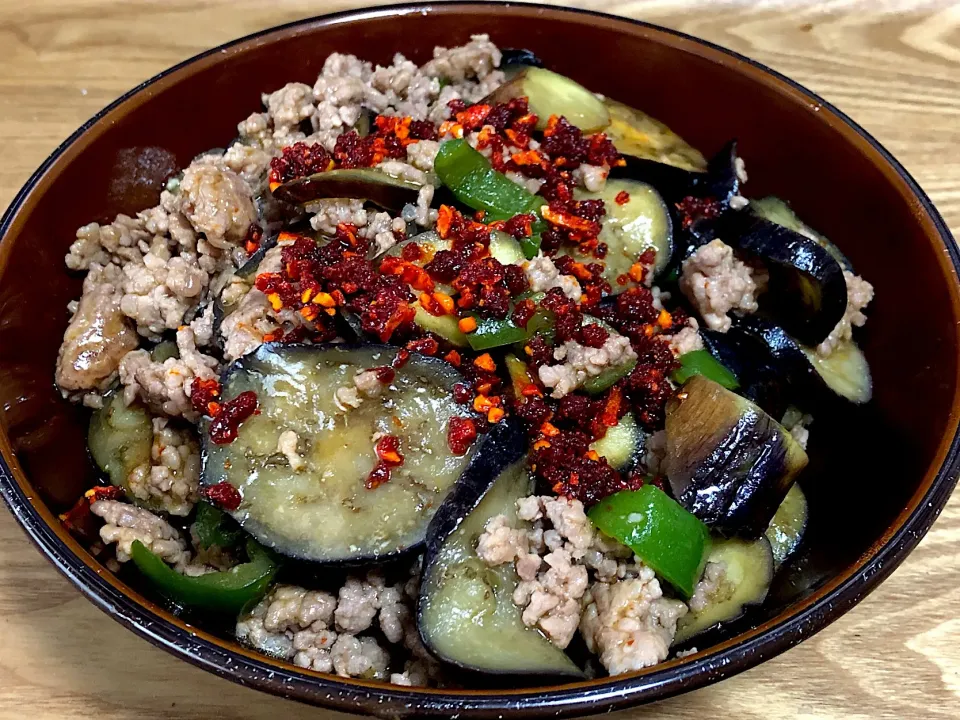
point(893, 66)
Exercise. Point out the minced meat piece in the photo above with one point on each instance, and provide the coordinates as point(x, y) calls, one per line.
point(366, 384)
point(98, 336)
point(172, 477)
point(218, 203)
point(797, 423)
point(687, 340)
point(712, 587)
point(274, 624)
point(716, 282)
point(859, 295)
point(287, 446)
point(358, 603)
point(629, 623)
point(126, 524)
point(543, 275)
point(165, 387)
point(581, 362)
point(359, 657)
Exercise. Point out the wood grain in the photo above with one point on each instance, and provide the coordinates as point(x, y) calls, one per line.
point(893, 66)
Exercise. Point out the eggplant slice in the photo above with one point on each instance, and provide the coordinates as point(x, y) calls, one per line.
point(314, 505)
point(375, 186)
point(120, 439)
point(728, 462)
point(778, 211)
point(807, 293)
point(466, 614)
point(786, 529)
point(638, 135)
point(630, 228)
point(745, 573)
point(817, 382)
point(761, 381)
point(550, 93)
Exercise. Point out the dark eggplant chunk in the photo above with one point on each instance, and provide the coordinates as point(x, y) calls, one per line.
point(786, 529)
point(466, 615)
point(777, 211)
point(515, 59)
point(728, 462)
point(375, 186)
point(807, 293)
point(303, 464)
point(760, 379)
point(739, 574)
point(120, 440)
point(816, 382)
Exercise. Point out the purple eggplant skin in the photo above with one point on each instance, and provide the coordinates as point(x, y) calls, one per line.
point(372, 185)
point(761, 381)
point(518, 58)
point(807, 293)
point(505, 444)
point(728, 462)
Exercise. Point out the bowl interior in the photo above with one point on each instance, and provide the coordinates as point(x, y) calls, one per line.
point(869, 467)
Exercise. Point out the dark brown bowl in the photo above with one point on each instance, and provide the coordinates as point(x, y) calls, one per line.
point(879, 476)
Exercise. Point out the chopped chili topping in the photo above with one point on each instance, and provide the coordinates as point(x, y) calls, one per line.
point(385, 374)
point(79, 520)
point(622, 198)
point(223, 495)
point(425, 346)
point(401, 359)
point(299, 160)
point(203, 395)
point(461, 433)
point(251, 243)
point(226, 422)
point(694, 209)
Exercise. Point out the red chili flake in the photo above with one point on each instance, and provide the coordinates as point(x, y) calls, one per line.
point(473, 117)
point(79, 520)
point(693, 209)
point(251, 243)
point(462, 393)
point(593, 335)
point(377, 477)
point(460, 435)
point(411, 252)
point(388, 451)
point(622, 198)
point(203, 394)
point(223, 495)
point(385, 374)
point(524, 310)
point(299, 160)
point(226, 424)
point(424, 346)
point(453, 357)
point(401, 359)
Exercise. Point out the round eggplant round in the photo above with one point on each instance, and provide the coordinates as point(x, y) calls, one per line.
point(786, 529)
point(466, 615)
point(549, 93)
point(778, 211)
point(303, 464)
point(760, 379)
point(638, 222)
point(637, 135)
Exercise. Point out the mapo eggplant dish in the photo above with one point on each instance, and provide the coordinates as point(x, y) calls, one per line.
point(456, 370)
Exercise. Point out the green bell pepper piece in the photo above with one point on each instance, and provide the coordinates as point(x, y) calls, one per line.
point(670, 540)
point(227, 591)
point(474, 182)
point(215, 527)
point(701, 362)
point(607, 378)
point(494, 333)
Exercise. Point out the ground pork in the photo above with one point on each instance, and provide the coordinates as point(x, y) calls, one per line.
point(217, 203)
point(859, 295)
point(543, 275)
point(97, 337)
point(716, 282)
point(125, 524)
point(798, 424)
point(711, 587)
point(165, 386)
point(592, 178)
point(348, 87)
point(629, 623)
point(687, 340)
point(314, 630)
point(580, 362)
point(553, 546)
point(365, 385)
point(287, 446)
point(172, 477)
